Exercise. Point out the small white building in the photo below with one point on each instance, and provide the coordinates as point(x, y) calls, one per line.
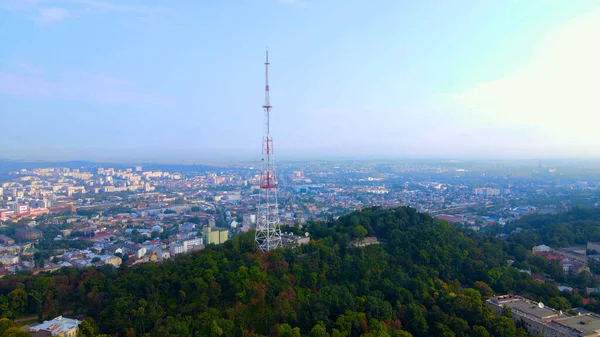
point(177, 248)
point(189, 243)
point(9, 260)
point(540, 249)
point(60, 326)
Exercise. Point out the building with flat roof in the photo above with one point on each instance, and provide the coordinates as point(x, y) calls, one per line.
point(290, 240)
point(540, 320)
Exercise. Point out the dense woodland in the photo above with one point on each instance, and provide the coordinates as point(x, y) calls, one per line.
point(576, 227)
point(426, 278)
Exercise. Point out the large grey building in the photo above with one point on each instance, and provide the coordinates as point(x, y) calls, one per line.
point(540, 320)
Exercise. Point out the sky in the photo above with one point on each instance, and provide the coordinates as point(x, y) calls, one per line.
point(183, 81)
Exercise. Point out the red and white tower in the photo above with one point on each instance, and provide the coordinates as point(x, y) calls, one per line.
point(268, 233)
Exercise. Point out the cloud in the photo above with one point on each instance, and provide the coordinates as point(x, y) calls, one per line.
point(554, 92)
point(29, 68)
point(293, 2)
point(51, 11)
point(48, 15)
point(14, 84)
point(72, 87)
point(115, 7)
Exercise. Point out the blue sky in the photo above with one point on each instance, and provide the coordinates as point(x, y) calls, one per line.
point(182, 81)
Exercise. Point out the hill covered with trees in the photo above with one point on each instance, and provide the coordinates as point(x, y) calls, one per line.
point(425, 278)
point(575, 227)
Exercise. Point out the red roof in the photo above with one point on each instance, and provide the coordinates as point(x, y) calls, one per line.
point(449, 218)
point(99, 236)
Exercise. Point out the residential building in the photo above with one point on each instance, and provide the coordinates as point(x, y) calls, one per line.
point(593, 246)
point(190, 243)
point(177, 248)
point(215, 235)
point(7, 240)
point(60, 326)
point(115, 261)
point(28, 233)
point(486, 191)
point(540, 249)
point(9, 260)
point(290, 239)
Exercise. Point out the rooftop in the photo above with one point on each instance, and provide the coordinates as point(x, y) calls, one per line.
point(56, 326)
point(584, 325)
point(531, 308)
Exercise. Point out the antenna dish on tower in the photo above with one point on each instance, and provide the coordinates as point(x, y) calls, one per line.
point(541, 305)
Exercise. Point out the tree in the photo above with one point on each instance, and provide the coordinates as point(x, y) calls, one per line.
point(483, 289)
point(360, 232)
point(285, 330)
point(502, 326)
point(5, 323)
point(479, 331)
point(88, 328)
point(17, 300)
point(319, 330)
point(414, 279)
point(415, 321)
point(38, 296)
point(15, 332)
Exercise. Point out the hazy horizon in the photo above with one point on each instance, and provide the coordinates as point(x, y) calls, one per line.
point(155, 81)
point(253, 161)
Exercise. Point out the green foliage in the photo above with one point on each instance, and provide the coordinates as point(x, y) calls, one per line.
point(8, 329)
point(88, 328)
point(15, 332)
point(576, 227)
point(5, 323)
point(424, 279)
point(17, 299)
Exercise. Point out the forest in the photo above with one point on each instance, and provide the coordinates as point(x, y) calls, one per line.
point(424, 278)
point(575, 227)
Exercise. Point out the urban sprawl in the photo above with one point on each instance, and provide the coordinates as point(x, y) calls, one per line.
point(54, 217)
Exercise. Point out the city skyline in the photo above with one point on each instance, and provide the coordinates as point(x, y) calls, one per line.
point(150, 82)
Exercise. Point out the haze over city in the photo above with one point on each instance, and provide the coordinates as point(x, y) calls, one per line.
point(183, 81)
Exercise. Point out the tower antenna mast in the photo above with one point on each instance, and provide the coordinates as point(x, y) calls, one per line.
point(268, 232)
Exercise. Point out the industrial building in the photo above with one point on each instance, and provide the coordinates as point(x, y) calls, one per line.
point(540, 320)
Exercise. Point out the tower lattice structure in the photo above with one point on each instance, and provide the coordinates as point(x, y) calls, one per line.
point(268, 232)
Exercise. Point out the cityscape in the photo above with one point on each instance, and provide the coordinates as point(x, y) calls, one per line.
point(379, 169)
point(98, 215)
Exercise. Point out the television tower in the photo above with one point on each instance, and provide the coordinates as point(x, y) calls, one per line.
point(268, 233)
